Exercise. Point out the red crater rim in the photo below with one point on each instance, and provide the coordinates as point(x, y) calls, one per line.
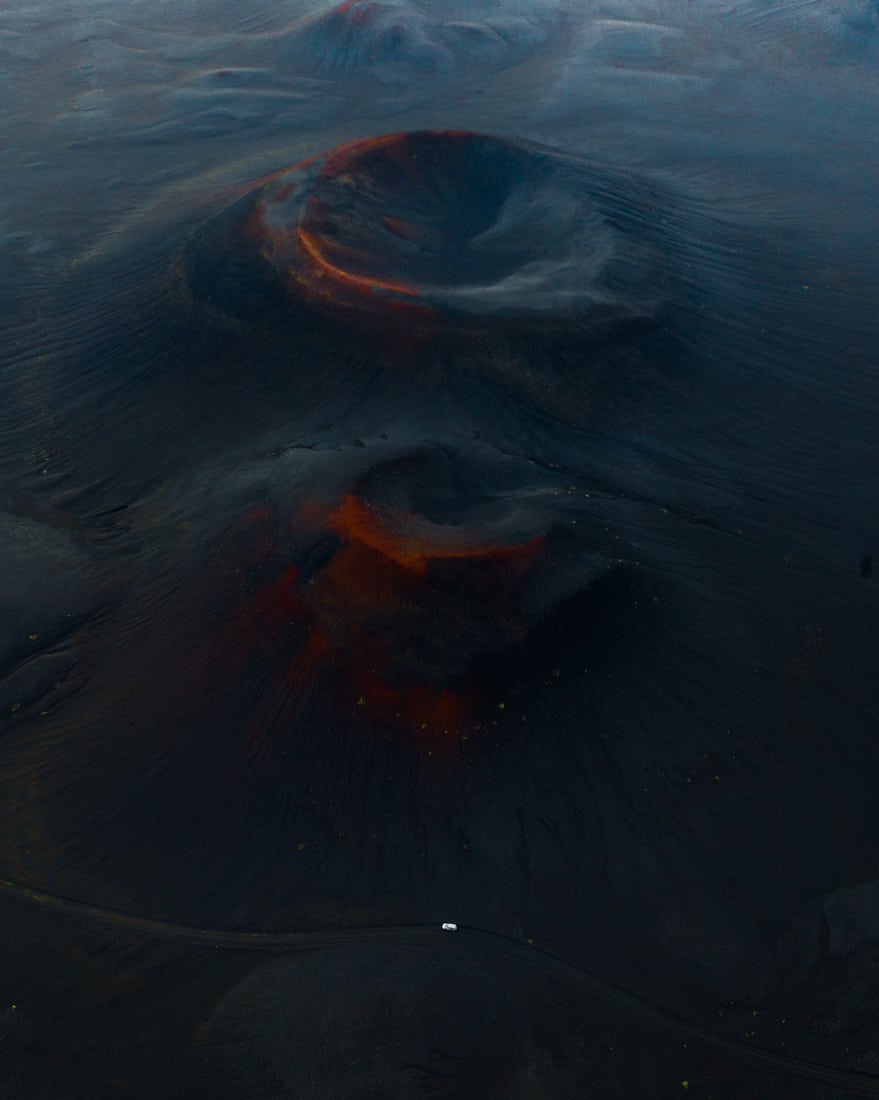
point(442, 222)
point(402, 611)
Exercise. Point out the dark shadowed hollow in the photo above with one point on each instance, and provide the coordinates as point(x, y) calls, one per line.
point(438, 485)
